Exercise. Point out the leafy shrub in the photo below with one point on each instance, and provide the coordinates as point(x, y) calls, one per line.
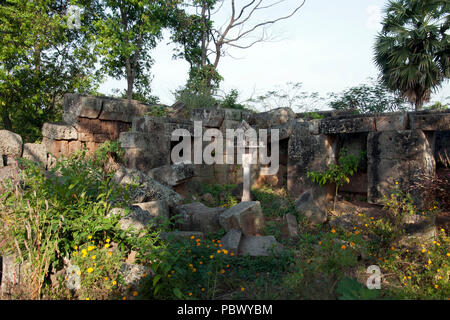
point(47, 214)
point(337, 173)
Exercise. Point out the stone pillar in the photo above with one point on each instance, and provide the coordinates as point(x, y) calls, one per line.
point(397, 156)
point(308, 151)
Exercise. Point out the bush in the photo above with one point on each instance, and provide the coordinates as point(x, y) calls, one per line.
point(47, 214)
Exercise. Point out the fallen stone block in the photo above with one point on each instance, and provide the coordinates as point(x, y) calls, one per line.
point(172, 175)
point(246, 216)
point(198, 217)
point(155, 209)
point(306, 206)
point(259, 246)
point(10, 144)
point(35, 152)
point(289, 229)
point(137, 219)
point(133, 274)
point(150, 189)
point(230, 241)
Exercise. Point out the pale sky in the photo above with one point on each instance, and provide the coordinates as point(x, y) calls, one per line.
point(327, 45)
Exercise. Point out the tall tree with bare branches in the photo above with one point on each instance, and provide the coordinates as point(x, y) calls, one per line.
point(205, 44)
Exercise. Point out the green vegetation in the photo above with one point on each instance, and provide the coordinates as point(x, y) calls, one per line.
point(412, 49)
point(339, 173)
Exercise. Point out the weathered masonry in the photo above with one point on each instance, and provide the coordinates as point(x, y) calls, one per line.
point(399, 146)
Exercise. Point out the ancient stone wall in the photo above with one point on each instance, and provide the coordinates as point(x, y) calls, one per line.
point(399, 146)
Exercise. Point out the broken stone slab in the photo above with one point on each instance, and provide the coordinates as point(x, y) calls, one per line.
point(418, 229)
point(9, 173)
point(133, 274)
point(35, 152)
point(246, 216)
point(306, 206)
point(230, 241)
point(137, 219)
point(78, 105)
point(182, 235)
point(198, 217)
point(210, 117)
point(272, 118)
point(289, 230)
point(174, 174)
point(157, 208)
point(150, 189)
point(259, 246)
point(59, 131)
point(10, 144)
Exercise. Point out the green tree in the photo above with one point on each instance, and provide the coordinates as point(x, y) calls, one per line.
point(412, 50)
point(40, 60)
point(368, 98)
point(126, 32)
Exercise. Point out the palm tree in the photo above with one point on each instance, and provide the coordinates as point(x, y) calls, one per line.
point(412, 50)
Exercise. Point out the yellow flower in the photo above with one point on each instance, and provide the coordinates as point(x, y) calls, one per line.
point(74, 253)
point(396, 182)
point(90, 248)
point(90, 270)
point(232, 254)
point(93, 257)
point(106, 278)
point(108, 240)
point(135, 293)
point(333, 231)
point(423, 250)
point(124, 298)
point(429, 261)
point(218, 251)
point(448, 254)
point(107, 245)
point(192, 237)
point(211, 256)
point(79, 272)
point(75, 247)
point(242, 289)
point(436, 286)
point(114, 282)
point(87, 299)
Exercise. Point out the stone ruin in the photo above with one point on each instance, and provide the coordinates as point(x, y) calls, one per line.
point(399, 147)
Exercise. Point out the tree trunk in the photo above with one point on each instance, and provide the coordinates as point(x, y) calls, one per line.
point(7, 123)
